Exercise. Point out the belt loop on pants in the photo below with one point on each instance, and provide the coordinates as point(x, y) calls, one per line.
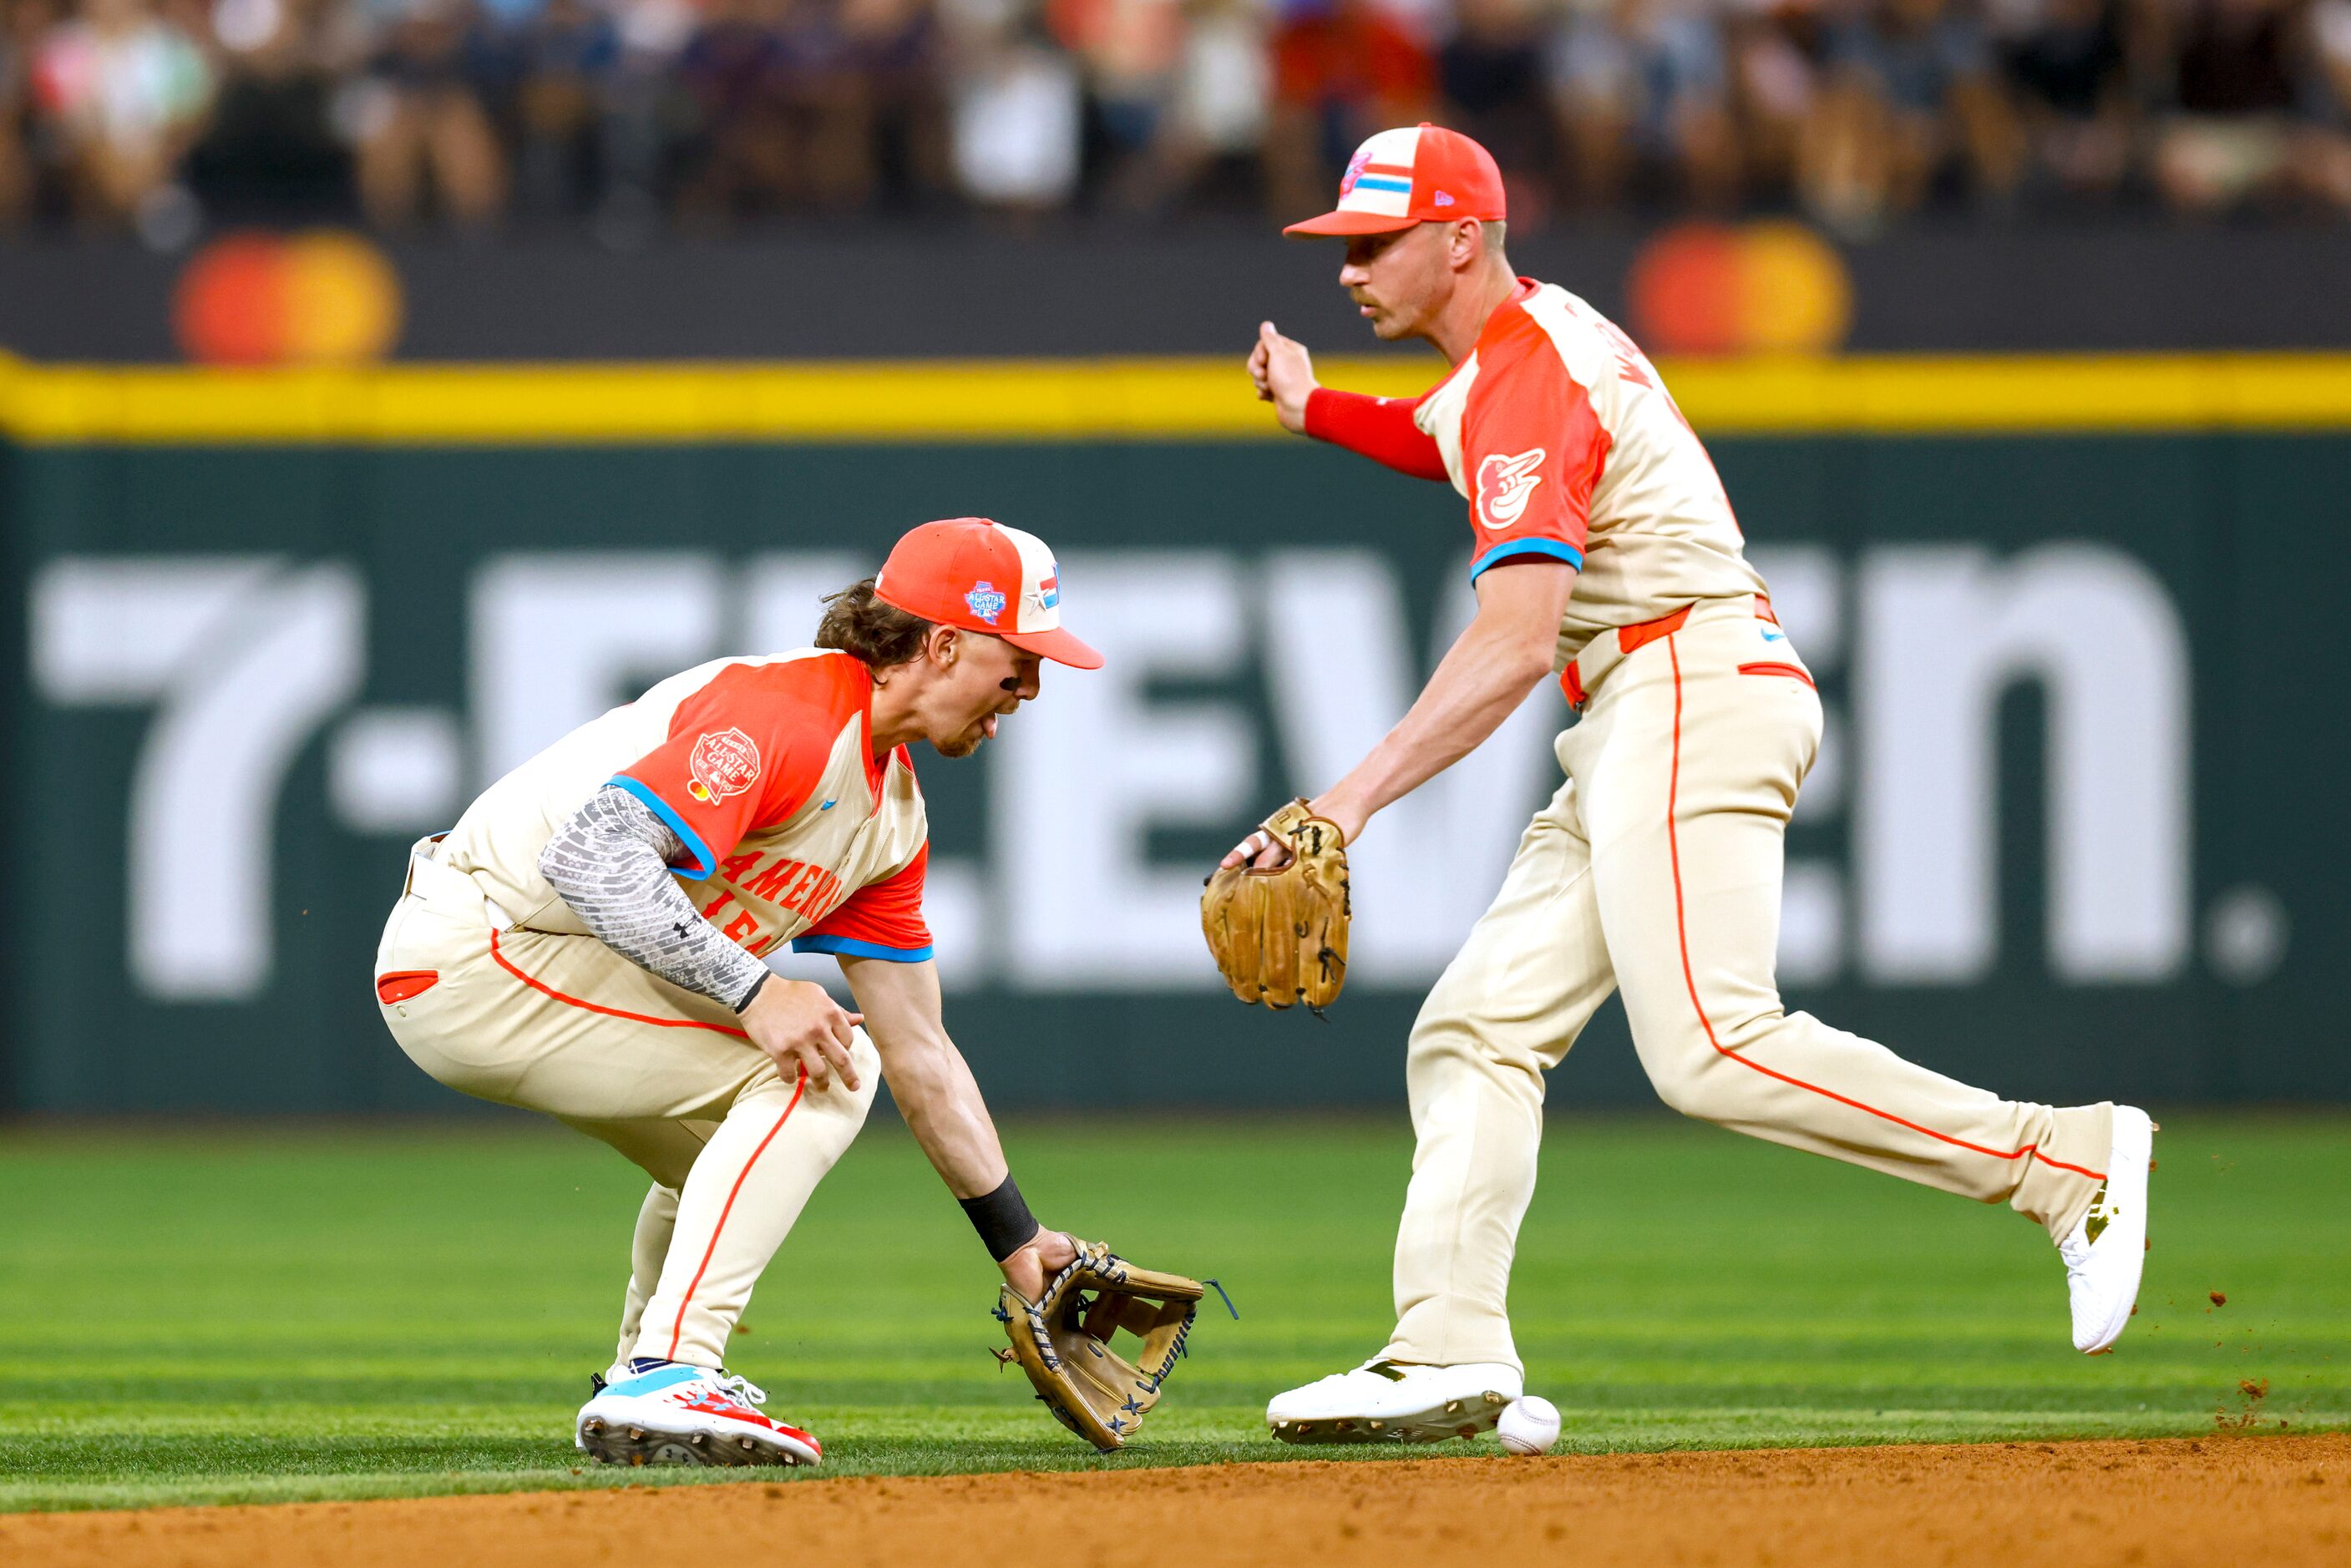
point(1629, 638)
point(421, 851)
point(1603, 653)
point(428, 878)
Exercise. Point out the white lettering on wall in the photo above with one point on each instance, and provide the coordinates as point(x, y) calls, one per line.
point(1085, 773)
point(1808, 597)
point(1943, 633)
point(783, 597)
point(558, 639)
point(1341, 670)
point(245, 658)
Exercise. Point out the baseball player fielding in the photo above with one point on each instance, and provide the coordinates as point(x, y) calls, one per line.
point(587, 943)
point(1606, 555)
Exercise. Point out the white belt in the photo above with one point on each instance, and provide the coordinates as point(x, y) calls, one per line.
point(427, 878)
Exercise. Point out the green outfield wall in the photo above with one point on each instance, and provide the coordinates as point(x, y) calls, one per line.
point(2074, 832)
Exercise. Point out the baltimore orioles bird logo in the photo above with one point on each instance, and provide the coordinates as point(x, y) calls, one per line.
point(1505, 484)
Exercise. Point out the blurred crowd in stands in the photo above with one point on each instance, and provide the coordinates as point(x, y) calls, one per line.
point(154, 116)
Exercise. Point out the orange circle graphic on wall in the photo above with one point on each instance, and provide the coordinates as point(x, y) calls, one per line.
point(1767, 288)
point(326, 298)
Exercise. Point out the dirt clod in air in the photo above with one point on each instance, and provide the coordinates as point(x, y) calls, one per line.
point(2253, 1391)
point(2220, 1298)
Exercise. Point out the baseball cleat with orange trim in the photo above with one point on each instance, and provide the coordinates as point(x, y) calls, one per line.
point(673, 1414)
point(2107, 1252)
point(1396, 1402)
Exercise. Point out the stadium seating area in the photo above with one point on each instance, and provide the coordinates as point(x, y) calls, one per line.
point(156, 116)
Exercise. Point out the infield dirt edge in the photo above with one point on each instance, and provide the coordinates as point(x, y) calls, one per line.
point(2284, 1500)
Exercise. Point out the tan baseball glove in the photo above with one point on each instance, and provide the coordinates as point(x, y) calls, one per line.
point(1061, 1340)
point(1280, 936)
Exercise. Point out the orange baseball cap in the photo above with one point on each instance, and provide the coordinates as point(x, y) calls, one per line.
point(979, 576)
point(1418, 174)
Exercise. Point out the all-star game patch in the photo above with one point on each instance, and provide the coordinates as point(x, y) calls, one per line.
point(986, 601)
point(724, 763)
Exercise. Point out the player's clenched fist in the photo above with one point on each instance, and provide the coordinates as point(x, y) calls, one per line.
point(1284, 374)
point(797, 1024)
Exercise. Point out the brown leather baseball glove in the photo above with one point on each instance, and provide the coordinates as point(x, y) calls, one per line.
point(1061, 1340)
point(1280, 936)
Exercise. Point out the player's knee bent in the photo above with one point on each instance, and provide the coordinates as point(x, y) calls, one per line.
point(840, 1111)
point(1697, 1093)
point(1699, 1077)
point(1459, 1035)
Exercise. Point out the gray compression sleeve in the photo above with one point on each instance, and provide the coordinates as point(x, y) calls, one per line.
point(611, 863)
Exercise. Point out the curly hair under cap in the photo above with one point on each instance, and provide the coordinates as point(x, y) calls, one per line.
point(879, 634)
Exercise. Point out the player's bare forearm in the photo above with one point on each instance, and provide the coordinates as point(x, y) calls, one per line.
point(928, 1076)
point(1503, 653)
point(940, 1100)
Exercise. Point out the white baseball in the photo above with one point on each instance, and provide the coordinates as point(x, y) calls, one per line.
point(1529, 1426)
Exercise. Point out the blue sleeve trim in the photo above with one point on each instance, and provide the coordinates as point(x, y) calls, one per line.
point(1510, 547)
point(850, 947)
point(704, 862)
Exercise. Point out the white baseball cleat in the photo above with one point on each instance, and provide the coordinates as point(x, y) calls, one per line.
point(673, 1414)
point(2107, 1252)
point(1396, 1402)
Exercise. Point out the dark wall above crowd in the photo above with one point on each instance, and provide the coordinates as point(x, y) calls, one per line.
point(1090, 289)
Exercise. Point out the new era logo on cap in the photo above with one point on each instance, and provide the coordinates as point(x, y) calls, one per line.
point(1411, 175)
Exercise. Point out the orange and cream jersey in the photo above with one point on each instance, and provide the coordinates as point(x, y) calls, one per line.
point(1563, 438)
point(763, 768)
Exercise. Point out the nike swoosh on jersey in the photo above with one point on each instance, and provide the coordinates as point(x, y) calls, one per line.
point(828, 805)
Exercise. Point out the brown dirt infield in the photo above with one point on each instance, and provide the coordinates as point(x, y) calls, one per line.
point(2278, 1502)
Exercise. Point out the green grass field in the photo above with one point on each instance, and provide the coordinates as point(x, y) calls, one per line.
point(361, 1313)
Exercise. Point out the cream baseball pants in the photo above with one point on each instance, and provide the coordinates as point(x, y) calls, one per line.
point(565, 1026)
point(1655, 871)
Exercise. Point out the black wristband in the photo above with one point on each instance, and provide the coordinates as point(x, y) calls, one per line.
point(757, 986)
point(1002, 1220)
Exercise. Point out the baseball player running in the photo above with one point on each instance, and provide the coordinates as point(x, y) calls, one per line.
point(587, 943)
point(1606, 552)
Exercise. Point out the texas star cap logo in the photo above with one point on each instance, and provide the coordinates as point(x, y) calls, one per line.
point(980, 576)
